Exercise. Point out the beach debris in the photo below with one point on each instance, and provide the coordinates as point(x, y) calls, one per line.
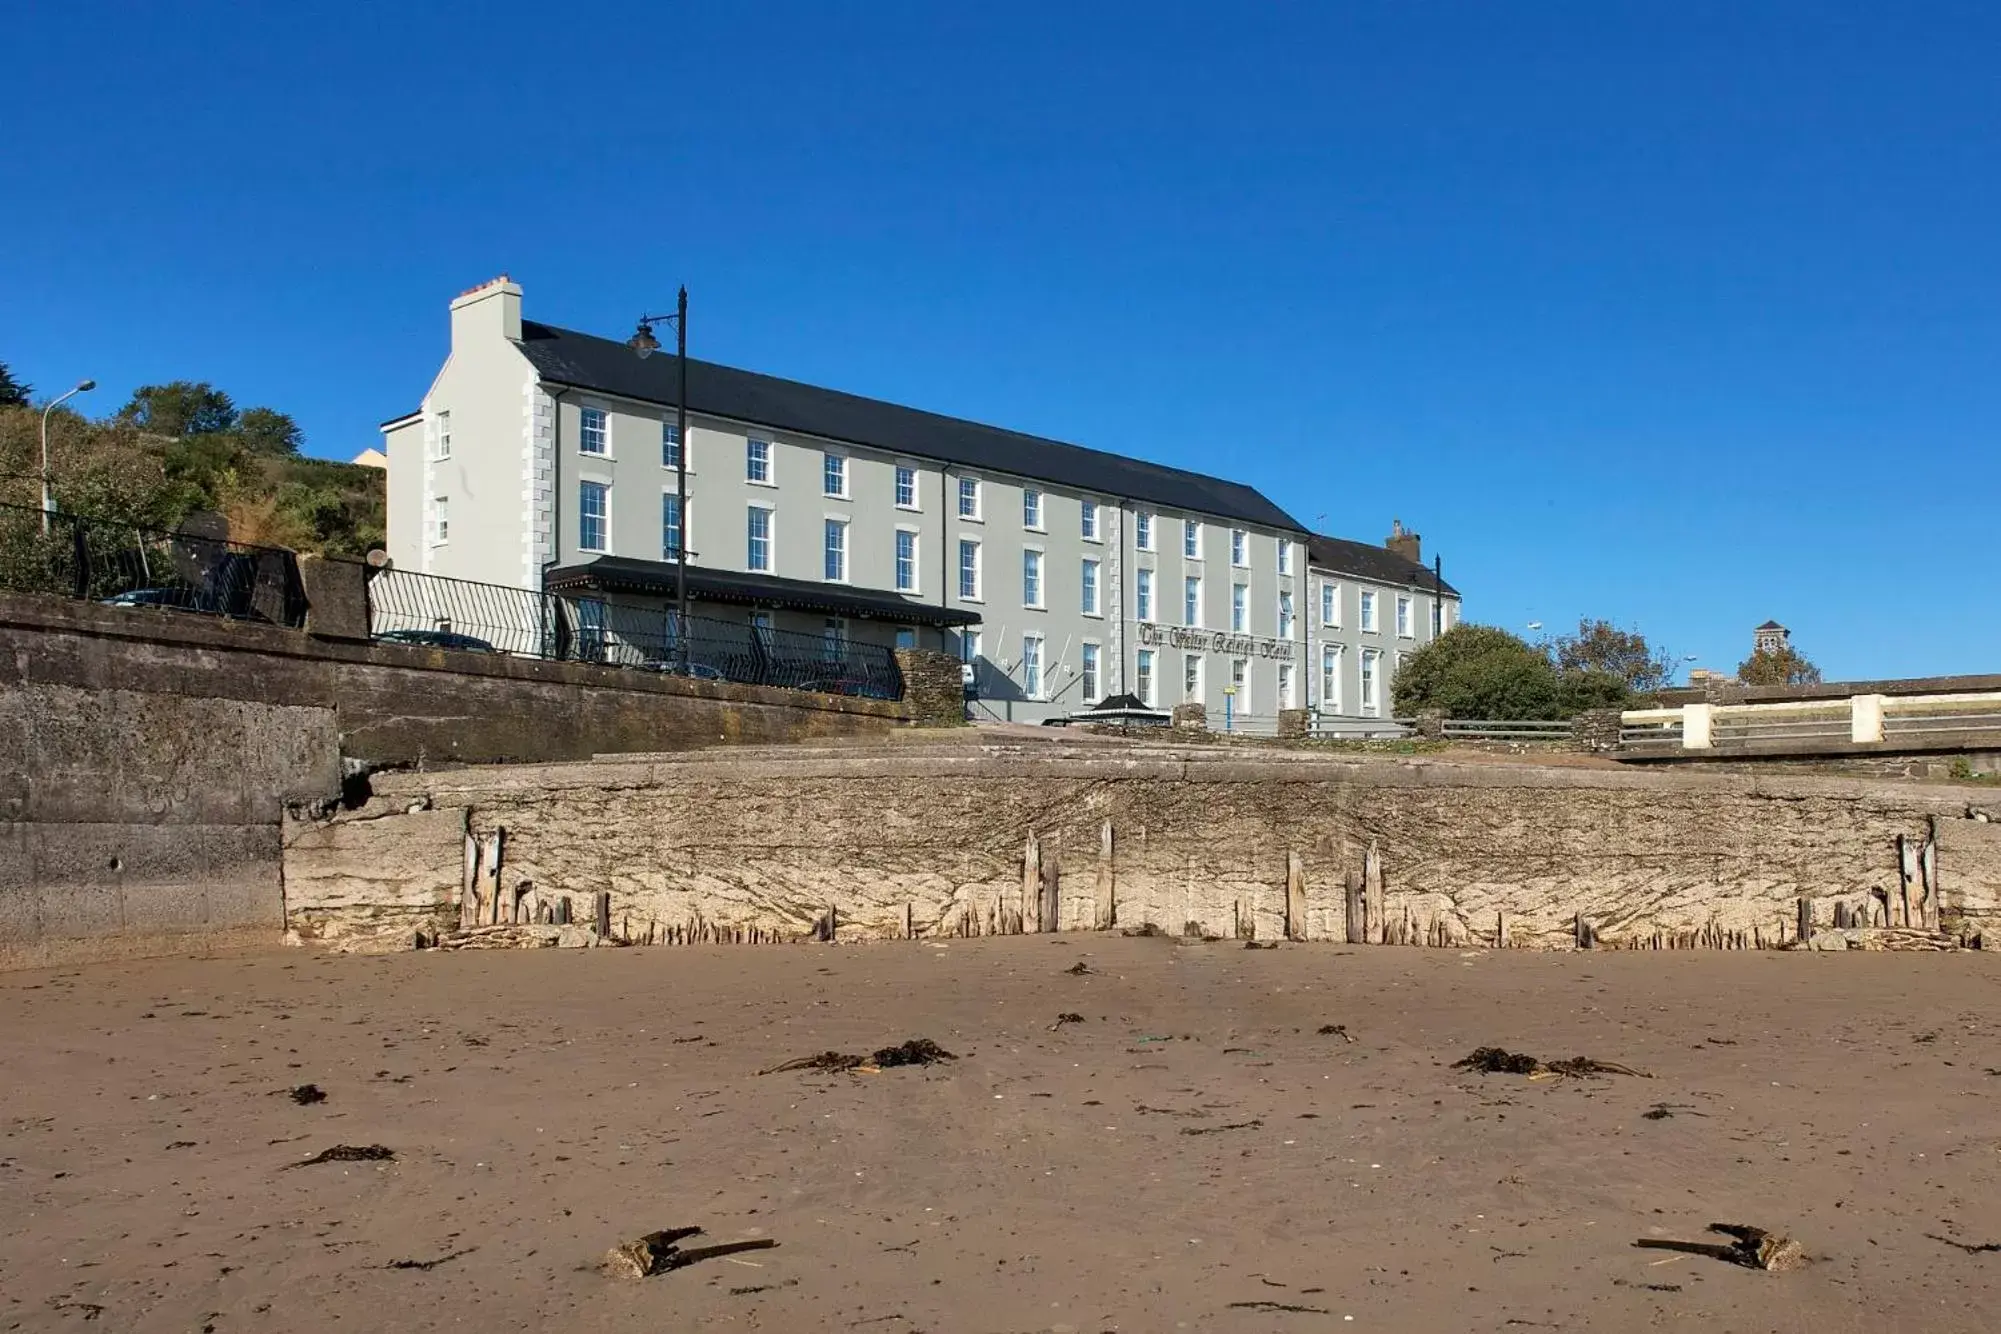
point(1143, 929)
point(1079, 969)
point(1261, 944)
point(1970, 1247)
point(306, 1094)
point(427, 1265)
point(658, 1252)
point(1500, 1061)
point(350, 1153)
point(1751, 1247)
point(915, 1051)
point(1217, 1130)
point(1290, 1308)
point(1067, 1017)
point(1336, 1030)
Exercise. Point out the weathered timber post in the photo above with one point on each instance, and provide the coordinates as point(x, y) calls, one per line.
point(1295, 897)
point(1375, 924)
point(1587, 936)
point(1358, 928)
point(1049, 906)
point(1031, 879)
point(1907, 870)
point(469, 883)
point(603, 897)
point(1804, 929)
point(1107, 915)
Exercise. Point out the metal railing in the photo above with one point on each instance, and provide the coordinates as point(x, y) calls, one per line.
point(1517, 729)
point(433, 611)
point(125, 565)
point(1815, 723)
point(1326, 727)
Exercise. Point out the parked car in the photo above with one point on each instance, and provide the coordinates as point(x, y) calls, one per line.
point(855, 687)
point(435, 639)
point(179, 598)
point(700, 671)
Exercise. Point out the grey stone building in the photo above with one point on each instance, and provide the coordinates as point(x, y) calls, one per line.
point(543, 458)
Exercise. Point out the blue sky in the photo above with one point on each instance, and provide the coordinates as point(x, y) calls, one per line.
point(1682, 314)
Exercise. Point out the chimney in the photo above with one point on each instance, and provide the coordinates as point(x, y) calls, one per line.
point(493, 309)
point(1405, 544)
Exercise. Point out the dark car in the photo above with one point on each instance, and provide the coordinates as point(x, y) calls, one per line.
point(700, 671)
point(435, 639)
point(181, 599)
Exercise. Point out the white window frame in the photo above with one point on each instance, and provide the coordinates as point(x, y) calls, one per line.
point(969, 646)
point(1090, 574)
point(1330, 604)
point(1286, 685)
point(750, 538)
point(1033, 511)
point(668, 495)
point(604, 517)
point(1240, 548)
point(441, 520)
point(1191, 601)
point(1191, 678)
point(1143, 596)
point(670, 444)
point(1285, 613)
point(1372, 683)
point(1285, 555)
point(832, 550)
point(904, 472)
point(1089, 662)
point(833, 473)
point(1240, 677)
point(1333, 658)
point(967, 544)
point(1033, 686)
point(1406, 616)
point(584, 413)
point(1088, 526)
point(1369, 618)
point(1240, 609)
point(1191, 539)
point(442, 449)
point(896, 559)
point(1146, 670)
point(969, 488)
point(757, 461)
point(1033, 558)
point(1142, 530)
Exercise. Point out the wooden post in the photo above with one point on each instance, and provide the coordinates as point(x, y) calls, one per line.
point(909, 921)
point(494, 845)
point(1586, 937)
point(469, 884)
point(1107, 915)
point(1295, 897)
point(1928, 874)
point(1031, 878)
point(1358, 931)
point(1375, 925)
point(1501, 930)
point(1907, 869)
point(1805, 927)
point(1048, 907)
point(603, 914)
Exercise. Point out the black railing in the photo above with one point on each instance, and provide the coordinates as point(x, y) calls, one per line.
point(122, 564)
point(437, 612)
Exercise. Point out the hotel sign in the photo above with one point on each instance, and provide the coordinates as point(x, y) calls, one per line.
point(1213, 641)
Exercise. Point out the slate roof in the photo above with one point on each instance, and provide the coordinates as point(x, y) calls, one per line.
point(628, 574)
point(1365, 561)
point(590, 362)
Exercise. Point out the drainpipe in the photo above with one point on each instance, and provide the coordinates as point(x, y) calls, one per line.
point(555, 505)
point(944, 556)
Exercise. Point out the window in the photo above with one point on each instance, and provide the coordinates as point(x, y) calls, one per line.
point(757, 461)
point(1445, 610)
point(670, 445)
point(1330, 604)
point(1031, 508)
point(1240, 608)
point(969, 646)
point(760, 629)
point(906, 488)
point(593, 512)
point(444, 450)
point(595, 438)
point(1088, 598)
point(1285, 685)
point(834, 474)
point(1284, 556)
point(969, 570)
point(1031, 666)
point(590, 629)
point(1090, 673)
point(1031, 578)
point(1142, 530)
point(1240, 547)
point(906, 637)
point(1404, 630)
point(1143, 610)
point(1087, 521)
point(1285, 615)
point(1240, 685)
point(906, 561)
point(1191, 600)
point(441, 509)
point(758, 557)
point(1191, 678)
point(1371, 668)
point(1191, 539)
point(1368, 612)
point(969, 497)
point(836, 565)
point(834, 638)
point(1143, 677)
point(1330, 678)
point(670, 526)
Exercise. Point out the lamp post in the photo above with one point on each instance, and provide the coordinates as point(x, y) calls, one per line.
point(645, 344)
point(48, 498)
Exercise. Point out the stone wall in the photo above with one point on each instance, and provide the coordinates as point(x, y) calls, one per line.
point(968, 840)
point(934, 690)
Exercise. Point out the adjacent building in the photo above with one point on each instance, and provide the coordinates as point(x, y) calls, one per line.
point(1369, 607)
point(547, 459)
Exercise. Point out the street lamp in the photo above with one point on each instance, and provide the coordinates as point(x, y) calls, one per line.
point(48, 499)
point(645, 345)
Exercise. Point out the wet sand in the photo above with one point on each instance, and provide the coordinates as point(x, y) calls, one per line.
point(1194, 1155)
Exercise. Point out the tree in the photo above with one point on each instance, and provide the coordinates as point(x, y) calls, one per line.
point(13, 394)
point(1782, 666)
point(182, 408)
point(1478, 671)
point(267, 431)
point(1600, 646)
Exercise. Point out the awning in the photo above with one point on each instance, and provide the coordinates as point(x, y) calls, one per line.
point(624, 574)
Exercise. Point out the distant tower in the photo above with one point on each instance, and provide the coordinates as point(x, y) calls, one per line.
point(1771, 637)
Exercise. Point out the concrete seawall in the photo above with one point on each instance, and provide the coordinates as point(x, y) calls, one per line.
point(957, 840)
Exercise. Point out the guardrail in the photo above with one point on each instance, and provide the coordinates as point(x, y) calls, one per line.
point(1520, 729)
point(1857, 720)
point(433, 611)
point(125, 565)
point(1324, 728)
